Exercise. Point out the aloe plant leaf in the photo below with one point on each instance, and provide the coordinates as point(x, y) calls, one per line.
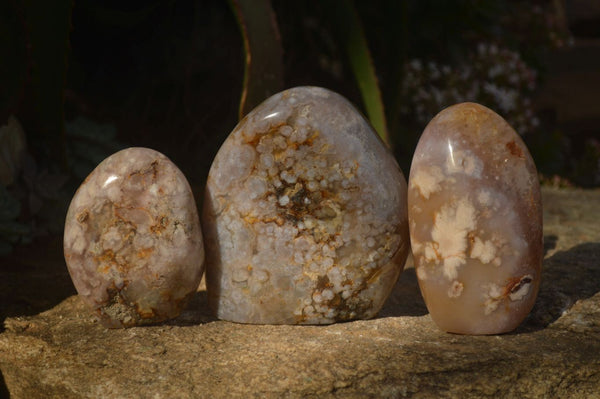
point(352, 34)
point(263, 71)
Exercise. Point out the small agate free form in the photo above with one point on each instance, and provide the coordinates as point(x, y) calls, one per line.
point(132, 241)
point(475, 218)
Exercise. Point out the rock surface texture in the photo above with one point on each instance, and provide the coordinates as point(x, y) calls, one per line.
point(304, 215)
point(475, 217)
point(64, 353)
point(132, 239)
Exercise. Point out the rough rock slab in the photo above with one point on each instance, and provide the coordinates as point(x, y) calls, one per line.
point(64, 353)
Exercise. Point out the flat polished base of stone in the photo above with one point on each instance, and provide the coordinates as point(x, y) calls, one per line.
point(64, 353)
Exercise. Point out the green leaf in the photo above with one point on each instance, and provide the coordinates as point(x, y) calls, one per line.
point(352, 34)
point(263, 72)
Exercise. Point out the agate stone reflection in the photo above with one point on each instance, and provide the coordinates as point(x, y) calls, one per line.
point(475, 217)
point(132, 239)
point(305, 214)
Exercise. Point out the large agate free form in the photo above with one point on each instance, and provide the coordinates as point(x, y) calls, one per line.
point(132, 242)
point(305, 214)
point(475, 220)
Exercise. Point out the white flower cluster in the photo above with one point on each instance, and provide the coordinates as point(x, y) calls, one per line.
point(495, 77)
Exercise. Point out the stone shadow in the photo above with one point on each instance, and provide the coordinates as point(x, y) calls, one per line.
point(405, 299)
point(212, 252)
point(3, 388)
point(549, 243)
point(34, 278)
point(196, 312)
point(567, 277)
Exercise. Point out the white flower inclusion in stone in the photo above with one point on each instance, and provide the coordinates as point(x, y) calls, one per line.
point(304, 214)
point(427, 180)
point(475, 221)
point(449, 234)
point(485, 251)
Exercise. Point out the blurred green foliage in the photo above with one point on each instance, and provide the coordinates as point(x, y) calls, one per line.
point(492, 52)
point(348, 27)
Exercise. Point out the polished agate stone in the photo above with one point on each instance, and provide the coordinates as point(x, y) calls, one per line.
point(305, 214)
point(475, 217)
point(132, 241)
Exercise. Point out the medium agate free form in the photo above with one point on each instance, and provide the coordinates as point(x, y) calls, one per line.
point(305, 214)
point(132, 239)
point(475, 218)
